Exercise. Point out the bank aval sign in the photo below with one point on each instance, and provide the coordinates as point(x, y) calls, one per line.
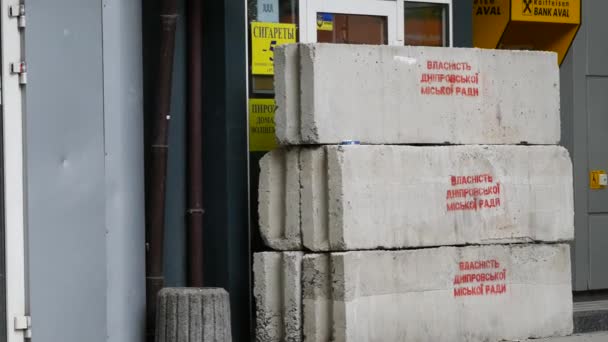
point(546, 25)
point(548, 11)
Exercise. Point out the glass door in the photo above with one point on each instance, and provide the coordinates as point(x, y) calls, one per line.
point(350, 22)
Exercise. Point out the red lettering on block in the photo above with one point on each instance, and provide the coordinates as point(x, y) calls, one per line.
point(496, 289)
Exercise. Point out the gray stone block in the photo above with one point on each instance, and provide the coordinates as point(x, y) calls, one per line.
point(287, 85)
point(415, 94)
point(465, 294)
point(278, 296)
point(193, 315)
point(279, 200)
point(340, 198)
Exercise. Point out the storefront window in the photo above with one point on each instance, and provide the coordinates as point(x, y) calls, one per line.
point(351, 29)
point(270, 12)
point(276, 11)
point(426, 24)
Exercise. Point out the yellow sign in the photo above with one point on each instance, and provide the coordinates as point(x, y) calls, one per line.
point(597, 179)
point(543, 25)
point(261, 125)
point(325, 22)
point(546, 11)
point(490, 19)
point(264, 38)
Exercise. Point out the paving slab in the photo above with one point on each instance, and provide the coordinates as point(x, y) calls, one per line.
point(591, 337)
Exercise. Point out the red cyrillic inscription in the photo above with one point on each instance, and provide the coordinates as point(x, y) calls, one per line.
point(458, 84)
point(478, 265)
point(450, 66)
point(490, 274)
point(475, 197)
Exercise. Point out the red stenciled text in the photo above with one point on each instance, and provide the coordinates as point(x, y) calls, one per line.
point(449, 66)
point(478, 265)
point(442, 80)
point(474, 192)
point(481, 277)
point(474, 179)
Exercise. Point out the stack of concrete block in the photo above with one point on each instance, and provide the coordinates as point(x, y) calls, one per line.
point(429, 241)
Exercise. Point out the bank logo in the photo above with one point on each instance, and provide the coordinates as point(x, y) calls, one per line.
point(527, 10)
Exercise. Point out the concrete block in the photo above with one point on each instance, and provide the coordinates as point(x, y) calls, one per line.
point(193, 315)
point(372, 196)
point(317, 299)
point(279, 200)
point(408, 94)
point(475, 293)
point(314, 197)
point(287, 90)
point(278, 296)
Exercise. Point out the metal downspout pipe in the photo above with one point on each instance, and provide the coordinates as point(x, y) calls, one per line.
point(156, 191)
point(195, 143)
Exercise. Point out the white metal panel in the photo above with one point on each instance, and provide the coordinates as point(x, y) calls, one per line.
point(450, 20)
point(12, 112)
point(124, 170)
point(303, 21)
point(400, 21)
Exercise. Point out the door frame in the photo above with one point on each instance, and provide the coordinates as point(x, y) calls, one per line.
point(13, 198)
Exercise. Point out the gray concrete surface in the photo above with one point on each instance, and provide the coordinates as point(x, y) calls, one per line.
point(367, 197)
point(287, 85)
point(317, 297)
point(278, 296)
point(476, 293)
point(193, 315)
point(279, 200)
point(407, 94)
